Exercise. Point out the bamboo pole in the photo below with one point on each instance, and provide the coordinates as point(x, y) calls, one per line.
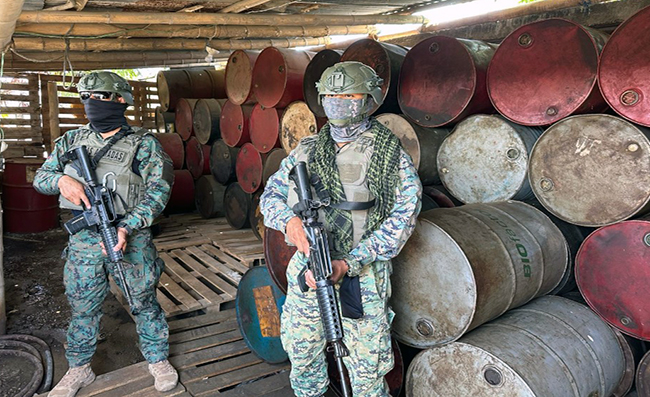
point(188, 31)
point(9, 12)
point(242, 6)
point(171, 18)
point(53, 105)
point(78, 66)
point(129, 56)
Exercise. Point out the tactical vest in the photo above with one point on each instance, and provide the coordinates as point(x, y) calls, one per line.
point(353, 161)
point(115, 167)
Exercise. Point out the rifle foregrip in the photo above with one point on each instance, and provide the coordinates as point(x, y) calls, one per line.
point(330, 317)
point(109, 238)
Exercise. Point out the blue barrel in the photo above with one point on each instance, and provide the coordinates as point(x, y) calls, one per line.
point(259, 306)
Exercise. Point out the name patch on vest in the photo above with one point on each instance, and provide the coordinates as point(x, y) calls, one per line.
point(113, 155)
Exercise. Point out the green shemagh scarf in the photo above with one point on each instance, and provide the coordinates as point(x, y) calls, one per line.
point(382, 179)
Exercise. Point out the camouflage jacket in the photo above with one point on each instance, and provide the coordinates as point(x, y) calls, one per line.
point(153, 164)
point(384, 244)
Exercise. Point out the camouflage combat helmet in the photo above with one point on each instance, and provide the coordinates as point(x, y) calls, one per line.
point(106, 81)
point(350, 77)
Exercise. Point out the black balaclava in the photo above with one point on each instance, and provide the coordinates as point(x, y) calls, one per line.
point(105, 116)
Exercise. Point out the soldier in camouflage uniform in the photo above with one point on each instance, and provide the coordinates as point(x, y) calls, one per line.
point(361, 165)
point(140, 172)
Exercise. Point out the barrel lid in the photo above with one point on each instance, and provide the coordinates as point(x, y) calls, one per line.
point(206, 119)
point(551, 63)
point(321, 61)
point(620, 297)
point(270, 76)
point(194, 160)
point(234, 124)
point(405, 132)
point(249, 168)
point(623, 63)
point(163, 90)
point(297, 122)
point(592, 170)
point(265, 128)
point(483, 160)
point(239, 75)
point(184, 120)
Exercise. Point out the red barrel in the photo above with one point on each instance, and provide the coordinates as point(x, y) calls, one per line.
point(612, 273)
point(173, 145)
point(443, 80)
point(277, 254)
point(239, 76)
point(265, 128)
point(222, 162)
point(218, 80)
point(278, 75)
point(234, 124)
point(209, 196)
point(249, 168)
point(26, 210)
point(207, 119)
point(237, 205)
point(194, 161)
point(321, 61)
point(184, 121)
point(386, 59)
point(206, 159)
point(182, 195)
point(624, 69)
point(553, 64)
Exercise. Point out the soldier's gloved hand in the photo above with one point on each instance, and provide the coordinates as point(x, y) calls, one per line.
point(73, 190)
point(296, 235)
point(121, 241)
point(339, 268)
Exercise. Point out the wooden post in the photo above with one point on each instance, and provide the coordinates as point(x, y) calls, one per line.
point(53, 102)
point(3, 310)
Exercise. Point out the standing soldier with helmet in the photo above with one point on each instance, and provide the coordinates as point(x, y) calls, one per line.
point(130, 162)
point(358, 166)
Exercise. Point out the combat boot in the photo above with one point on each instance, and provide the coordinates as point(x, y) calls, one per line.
point(72, 381)
point(165, 375)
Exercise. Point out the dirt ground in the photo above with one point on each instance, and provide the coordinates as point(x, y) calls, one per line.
point(37, 305)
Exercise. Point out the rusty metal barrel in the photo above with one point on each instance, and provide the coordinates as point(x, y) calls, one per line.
point(552, 347)
point(277, 254)
point(208, 197)
point(207, 120)
point(239, 76)
point(172, 144)
point(623, 62)
point(485, 159)
point(612, 274)
point(321, 61)
point(421, 143)
point(467, 265)
point(164, 120)
point(278, 75)
point(265, 128)
point(443, 80)
point(223, 160)
point(188, 83)
point(218, 80)
point(234, 124)
point(297, 122)
point(272, 163)
point(194, 161)
point(256, 217)
point(249, 168)
point(553, 64)
point(386, 60)
point(182, 194)
point(633, 351)
point(592, 170)
point(237, 205)
point(184, 117)
point(643, 377)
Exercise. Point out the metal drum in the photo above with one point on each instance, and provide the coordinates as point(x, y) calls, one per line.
point(25, 209)
point(259, 306)
point(296, 123)
point(643, 377)
point(234, 124)
point(624, 68)
point(420, 143)
point(207, 119)
point(321, 61)
point(206, 159)
point(277, 254)
point(208, 197)
point(218, 80)
point(249, 168)
point(184, 119)
point(592, 170)
point(467, 265)
point(272, 163)
point(265, 128)
point(256, 217)
point(172, 144)
point(164, 120)
point(223, 160)
point(485, 160)
point(552, 347)
point(194, 161)
point(187, 83)
point(633, 351)
point(278, 75)
point(182, 194)
point(441, 196)
point(553, 65)
point(239, 76)
point(386, 60)
point(443, 80)
point(237, 204)
point(612, 273)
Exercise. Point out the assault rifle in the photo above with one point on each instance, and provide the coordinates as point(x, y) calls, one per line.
point(101, 213)
point(320, 265)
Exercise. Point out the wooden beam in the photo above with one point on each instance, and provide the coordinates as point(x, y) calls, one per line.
point(129, 56)
point(9, 12)
point(53, 103)
point(242, 5)
point(188, 31)
point(172, 18)
point(57, 66)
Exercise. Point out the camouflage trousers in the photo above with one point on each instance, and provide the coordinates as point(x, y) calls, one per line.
point(368, 338)
point(86, 284)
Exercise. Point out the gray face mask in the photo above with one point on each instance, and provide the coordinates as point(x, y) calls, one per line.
point(348, 118)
